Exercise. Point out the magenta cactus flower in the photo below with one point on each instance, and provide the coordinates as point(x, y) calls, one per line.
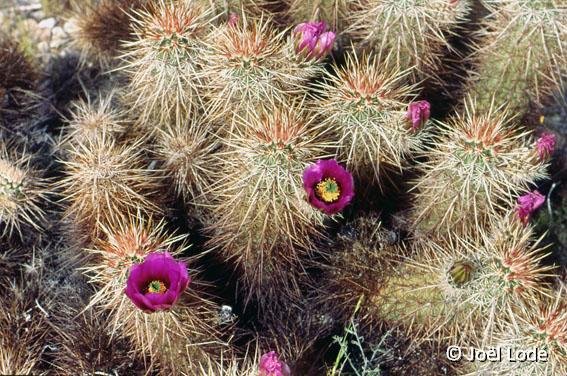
point(313, 40)
point(157, 282)
point(545, 145)
point(271, 365)
point(528, 204)
point(418, 113)
point(329, 187)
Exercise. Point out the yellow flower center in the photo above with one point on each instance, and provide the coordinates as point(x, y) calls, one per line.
point(328, 190)
point(157, 287)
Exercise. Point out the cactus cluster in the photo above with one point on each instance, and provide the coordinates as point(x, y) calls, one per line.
point(265, 188)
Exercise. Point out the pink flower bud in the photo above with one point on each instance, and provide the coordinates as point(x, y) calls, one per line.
point(418, 113)
point(324, 44)
point(545, 145)
point(233, 19)
point(528, 204)
point(312, 39)
point(271, 365)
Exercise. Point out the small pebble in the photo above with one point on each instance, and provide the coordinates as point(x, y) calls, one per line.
point(58, 37)
point(48, 23)
point(38, 15)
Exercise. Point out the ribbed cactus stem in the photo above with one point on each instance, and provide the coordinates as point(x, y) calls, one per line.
point(366, 103)
point(414, 31)
point(523, 55)
point(259, 216)
point(477, 166)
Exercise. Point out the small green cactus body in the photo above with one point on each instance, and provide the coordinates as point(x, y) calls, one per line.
point(537, 328)
point(244, 66)
point(168, 337)
point(187, 153)
point(463, 290)
point(94, 118)
point(162, 61)
point(477, 165)
point(366, 104)
point(414, 31)
point(23, 193)
point(523, 55)
point(105, 179)
point(259, 215)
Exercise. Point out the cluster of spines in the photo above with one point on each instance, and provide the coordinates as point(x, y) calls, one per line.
point(24, 325)
point(19, 77)
point(539, 329)
point(105, 178)
point(162, 61)
point(188, 157)
point(243, 67)
point(101, 28)
point(93, 118)
point(364, 254)
point(86, 345)
point(23, 193)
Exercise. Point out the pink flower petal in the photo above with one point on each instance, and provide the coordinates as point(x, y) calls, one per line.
point(157, 266)
point(528, 204)
point(322, 170)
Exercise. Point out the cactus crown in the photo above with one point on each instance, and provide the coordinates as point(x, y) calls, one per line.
point(12, 181)
point(366, 84)
point(173, 30)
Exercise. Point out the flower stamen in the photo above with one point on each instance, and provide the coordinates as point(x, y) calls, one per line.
point(157, 287)
point(328, 190)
